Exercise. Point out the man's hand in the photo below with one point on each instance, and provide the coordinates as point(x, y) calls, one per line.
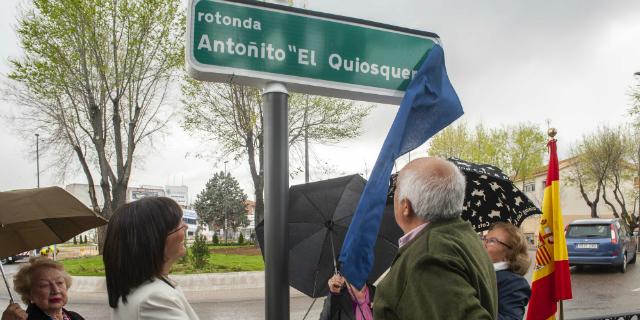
point(335, 283)
point(14, 312)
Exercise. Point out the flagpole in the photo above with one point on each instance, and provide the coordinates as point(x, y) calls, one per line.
point(551, 280)
point(552, 132)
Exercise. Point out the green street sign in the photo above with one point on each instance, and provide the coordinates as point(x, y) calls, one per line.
point(255, 43)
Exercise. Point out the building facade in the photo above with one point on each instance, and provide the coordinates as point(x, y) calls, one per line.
point(573, 205)
point(180, 194)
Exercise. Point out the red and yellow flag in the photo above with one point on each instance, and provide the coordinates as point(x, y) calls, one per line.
point(551, 276)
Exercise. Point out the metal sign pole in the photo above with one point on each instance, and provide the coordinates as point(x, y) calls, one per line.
point(276, 197)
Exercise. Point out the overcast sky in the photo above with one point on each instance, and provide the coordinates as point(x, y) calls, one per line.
point(570, 62)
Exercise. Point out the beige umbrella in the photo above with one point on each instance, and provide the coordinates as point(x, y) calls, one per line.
point(33, 218)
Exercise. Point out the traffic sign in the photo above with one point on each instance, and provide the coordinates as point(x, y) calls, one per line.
point(254, 43)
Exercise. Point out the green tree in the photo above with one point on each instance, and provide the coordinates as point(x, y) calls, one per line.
point(199, 251)
point(241, 239)
point(231, 115)
point(517, 150)
point(222, 200)
point(525, 150)
point(92, 81)
point(452, 141)
point(215, 240)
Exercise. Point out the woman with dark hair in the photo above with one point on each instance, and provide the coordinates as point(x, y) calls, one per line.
point(507, 248)
point(144, 239)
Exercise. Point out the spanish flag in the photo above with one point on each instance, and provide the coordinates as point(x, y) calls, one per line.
point(551, 277)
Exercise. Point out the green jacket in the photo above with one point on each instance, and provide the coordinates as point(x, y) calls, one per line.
point(442, 273)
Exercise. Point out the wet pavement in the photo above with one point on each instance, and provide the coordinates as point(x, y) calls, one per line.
point(596, 291)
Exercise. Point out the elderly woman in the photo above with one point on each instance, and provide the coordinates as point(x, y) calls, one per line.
point(144, 239)
point(507, 248)
point(42, 285)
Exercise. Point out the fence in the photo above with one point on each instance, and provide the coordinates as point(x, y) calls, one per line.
point(622, 316)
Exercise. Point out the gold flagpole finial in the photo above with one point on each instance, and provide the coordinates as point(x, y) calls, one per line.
point(552, 132)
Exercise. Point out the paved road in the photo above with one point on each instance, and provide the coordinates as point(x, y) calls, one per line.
point(601, 291)
point(95, 307)
point(246, 310)
point(231, 304)
point(596, 291)
point(10, 269)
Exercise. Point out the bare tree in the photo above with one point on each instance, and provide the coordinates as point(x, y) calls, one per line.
point(231, 115)
point(634, 111)
point(594, 163)
point(620, 149)
point(93, 81)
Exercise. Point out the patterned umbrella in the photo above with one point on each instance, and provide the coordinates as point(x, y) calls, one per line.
point(490, 197)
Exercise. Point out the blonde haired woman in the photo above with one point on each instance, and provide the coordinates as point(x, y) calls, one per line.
point(42, 284)
point(507, 248)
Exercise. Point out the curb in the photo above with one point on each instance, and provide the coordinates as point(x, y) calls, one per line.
point(188, 283)
point(211, 287)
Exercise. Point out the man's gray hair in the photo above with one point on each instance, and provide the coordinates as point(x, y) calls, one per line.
point(433, 197)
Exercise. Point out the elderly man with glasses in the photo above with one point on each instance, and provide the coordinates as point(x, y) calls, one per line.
point(441, 270)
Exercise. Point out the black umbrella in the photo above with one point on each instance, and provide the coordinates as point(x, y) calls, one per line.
point(490, 197)
point(319, 216)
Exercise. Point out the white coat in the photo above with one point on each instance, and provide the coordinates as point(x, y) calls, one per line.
point(154, 300)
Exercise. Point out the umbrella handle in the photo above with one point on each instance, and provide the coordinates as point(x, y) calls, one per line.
point(6, 283)
point(333, 254)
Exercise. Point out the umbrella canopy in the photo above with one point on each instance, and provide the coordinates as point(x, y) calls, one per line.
point(490, 197)
point(33, 218)
point(319, 216)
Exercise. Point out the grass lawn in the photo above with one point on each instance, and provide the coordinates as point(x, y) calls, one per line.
point(92, 266)
point(229, 246)
point(87, 266)
point(223, 263)
point(71, 245)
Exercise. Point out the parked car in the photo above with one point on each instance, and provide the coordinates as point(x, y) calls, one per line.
point(601, 242)
point(12, 259)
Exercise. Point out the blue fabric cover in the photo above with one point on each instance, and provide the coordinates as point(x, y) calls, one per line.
point(429, 105)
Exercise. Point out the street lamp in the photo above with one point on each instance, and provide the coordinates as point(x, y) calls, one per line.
point(224, 207)
point(38, 159)
point(637, 200)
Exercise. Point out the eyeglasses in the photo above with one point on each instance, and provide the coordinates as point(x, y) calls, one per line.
point(392, 186)
point(493, 241)
point(182, 227)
